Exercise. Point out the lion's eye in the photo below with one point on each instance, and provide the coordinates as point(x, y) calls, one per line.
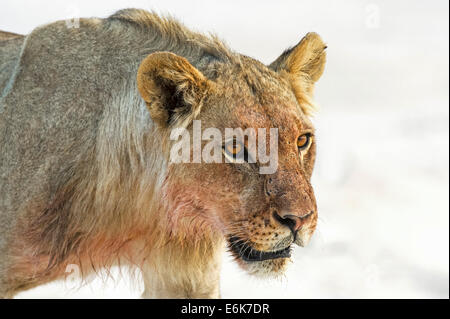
point(235, 151)
point(303, 141)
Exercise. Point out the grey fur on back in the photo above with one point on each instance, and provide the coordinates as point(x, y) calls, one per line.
point(62, 89)
point(10, 46)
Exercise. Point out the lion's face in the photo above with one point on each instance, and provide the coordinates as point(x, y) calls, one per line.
point(261, 215)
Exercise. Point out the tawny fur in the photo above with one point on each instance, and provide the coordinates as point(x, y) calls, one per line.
point(84, 171)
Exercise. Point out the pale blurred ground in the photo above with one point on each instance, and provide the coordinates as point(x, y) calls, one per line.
point(382, 177)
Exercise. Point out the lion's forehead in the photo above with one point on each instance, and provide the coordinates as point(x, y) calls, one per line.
point(256, 97)
point(285, 117)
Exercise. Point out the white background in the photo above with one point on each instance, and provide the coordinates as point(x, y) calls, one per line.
point(382, 174)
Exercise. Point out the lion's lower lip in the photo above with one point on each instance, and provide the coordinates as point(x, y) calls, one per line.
point(247, 253)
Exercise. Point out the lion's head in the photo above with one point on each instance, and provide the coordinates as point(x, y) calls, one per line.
point(260, 214)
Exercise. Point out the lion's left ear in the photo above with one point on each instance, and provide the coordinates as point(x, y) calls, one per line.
point(302, 66)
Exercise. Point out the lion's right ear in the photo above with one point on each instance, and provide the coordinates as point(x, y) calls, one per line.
point(171, 87)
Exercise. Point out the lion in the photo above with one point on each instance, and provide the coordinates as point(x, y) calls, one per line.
point(85, 175)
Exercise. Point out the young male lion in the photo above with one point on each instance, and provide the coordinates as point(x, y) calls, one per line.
point(85, 178)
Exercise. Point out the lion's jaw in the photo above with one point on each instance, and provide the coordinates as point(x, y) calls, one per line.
point(242, 216)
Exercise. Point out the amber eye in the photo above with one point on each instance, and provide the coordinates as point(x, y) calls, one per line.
point(303, 141)
point(235, 152)
point(233, 149)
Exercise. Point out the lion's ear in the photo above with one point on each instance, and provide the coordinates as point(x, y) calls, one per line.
point(303, 65)
point(171, 87)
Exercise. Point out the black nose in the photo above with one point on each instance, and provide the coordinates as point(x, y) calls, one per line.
point(292, 221)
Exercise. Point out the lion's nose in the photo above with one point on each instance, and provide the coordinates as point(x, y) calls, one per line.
point(294, 222)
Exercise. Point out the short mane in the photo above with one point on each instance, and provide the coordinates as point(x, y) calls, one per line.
point(176, 32)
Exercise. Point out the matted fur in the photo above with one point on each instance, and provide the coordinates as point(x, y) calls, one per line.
point(84, 174)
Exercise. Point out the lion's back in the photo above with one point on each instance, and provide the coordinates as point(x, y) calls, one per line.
point(51, 103)
point(10, 45)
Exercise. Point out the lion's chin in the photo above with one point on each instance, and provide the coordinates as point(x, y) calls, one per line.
point(272, 268)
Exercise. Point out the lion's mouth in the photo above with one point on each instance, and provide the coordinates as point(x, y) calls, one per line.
point(243, 250)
